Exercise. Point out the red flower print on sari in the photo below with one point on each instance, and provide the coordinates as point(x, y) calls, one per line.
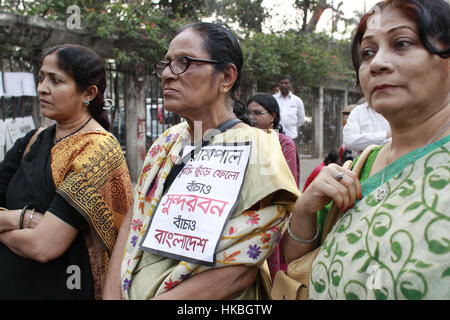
point(154, 151)
point(265, 237)
point(254, 219)
point(170, 284)
point(136, 224)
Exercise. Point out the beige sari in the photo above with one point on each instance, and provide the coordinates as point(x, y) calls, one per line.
point(252, 232)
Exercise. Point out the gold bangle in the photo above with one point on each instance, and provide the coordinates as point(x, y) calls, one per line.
point(30, 220)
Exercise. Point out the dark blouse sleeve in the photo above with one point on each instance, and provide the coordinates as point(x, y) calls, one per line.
point(64, 211)
point(11, 163)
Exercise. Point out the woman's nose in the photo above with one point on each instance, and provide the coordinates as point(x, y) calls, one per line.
point(381, 61)
point(167, 73)
point(42, 87)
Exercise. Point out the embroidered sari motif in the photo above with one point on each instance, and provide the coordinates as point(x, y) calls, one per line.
point(249, 236)
point(90, 172)
point(396, 248)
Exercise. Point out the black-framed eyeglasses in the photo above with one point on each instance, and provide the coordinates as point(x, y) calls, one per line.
point(179, 64)
point(257, 112)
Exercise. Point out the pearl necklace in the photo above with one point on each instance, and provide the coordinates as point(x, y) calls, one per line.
point(55, 141)
point(382, 189)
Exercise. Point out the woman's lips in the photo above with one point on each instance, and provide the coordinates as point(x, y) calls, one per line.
point(169, 91)
point(383, 87)
point(42, 101)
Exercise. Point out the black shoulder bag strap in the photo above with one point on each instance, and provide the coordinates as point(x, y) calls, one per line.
point(178, 167)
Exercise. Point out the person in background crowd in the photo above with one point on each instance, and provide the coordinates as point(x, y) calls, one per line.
point(200, 74)
point(396, 220)
point(265, 115)
point(292, 110)
point(66, 189)
point(346, 112)
point(332, 157)
point(241, 112)
point(344, 153)
point(275, 88)
point(364, 126)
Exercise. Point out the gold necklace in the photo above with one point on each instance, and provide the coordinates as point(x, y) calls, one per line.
point(382, 189)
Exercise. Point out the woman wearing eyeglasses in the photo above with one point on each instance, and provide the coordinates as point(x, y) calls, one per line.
point(200, 74)
point(265, 114)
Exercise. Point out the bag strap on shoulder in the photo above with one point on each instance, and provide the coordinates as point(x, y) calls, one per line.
point(32, 140)
point(334, 214)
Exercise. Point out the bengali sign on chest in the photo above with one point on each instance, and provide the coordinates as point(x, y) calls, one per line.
point(189, 219)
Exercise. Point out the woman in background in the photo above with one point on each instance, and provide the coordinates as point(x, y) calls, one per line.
point(265, 114)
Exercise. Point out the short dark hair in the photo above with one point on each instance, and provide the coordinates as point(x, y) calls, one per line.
point(332, 157)
point(431, 17)
point(221, 45)
point(268, 102)
point(241, 111)
point(86, 68)
point(286, 76)
point(347, 155)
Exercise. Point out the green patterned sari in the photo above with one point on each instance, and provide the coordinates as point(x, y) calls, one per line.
point(398, 247)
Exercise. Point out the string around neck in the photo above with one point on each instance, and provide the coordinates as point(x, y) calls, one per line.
point(55, 141)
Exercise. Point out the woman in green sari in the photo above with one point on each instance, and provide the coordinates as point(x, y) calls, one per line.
point(393, 241)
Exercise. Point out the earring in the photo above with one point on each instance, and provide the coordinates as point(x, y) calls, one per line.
point(86, 102)
point(225, 91)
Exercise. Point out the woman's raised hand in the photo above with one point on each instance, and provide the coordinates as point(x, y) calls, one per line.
point(333, 183)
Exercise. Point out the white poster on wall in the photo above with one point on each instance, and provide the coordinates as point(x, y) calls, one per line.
point(27, 125)
point(2, 91)
point(2, 139)
point(17, 128)
point(19, 84)
point(28, 84)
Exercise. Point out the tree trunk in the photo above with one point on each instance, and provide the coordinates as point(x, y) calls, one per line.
point(317, 13)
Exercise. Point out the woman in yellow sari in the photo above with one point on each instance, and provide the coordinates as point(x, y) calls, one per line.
point(200, 74)
point(66, 188)
point(393, 240)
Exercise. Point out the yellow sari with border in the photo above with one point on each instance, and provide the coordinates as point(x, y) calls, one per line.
point(89, 171)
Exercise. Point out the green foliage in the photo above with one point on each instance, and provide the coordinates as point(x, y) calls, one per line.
point(141, 31)
point(248, 14)
point(310, 58)
point(262, 58)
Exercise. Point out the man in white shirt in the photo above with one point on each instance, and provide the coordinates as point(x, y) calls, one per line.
point(365, 127)
point(292, 111)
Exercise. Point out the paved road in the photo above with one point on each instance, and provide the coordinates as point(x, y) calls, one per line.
point(306, 166)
